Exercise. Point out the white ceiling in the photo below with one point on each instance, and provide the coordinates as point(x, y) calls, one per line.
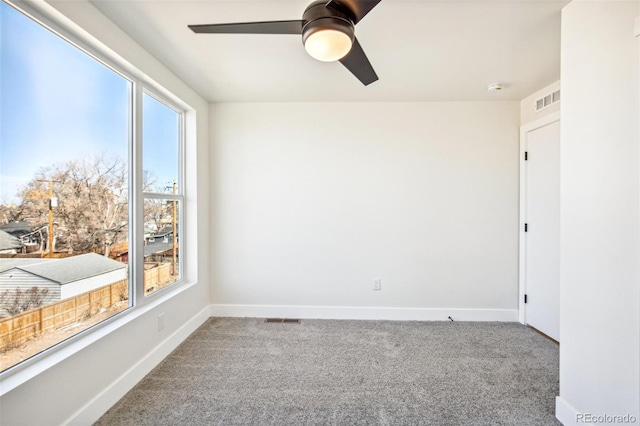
point(421, 50)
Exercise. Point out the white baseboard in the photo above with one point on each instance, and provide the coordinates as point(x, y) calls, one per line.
point(99, 405)
point(566, 413)
point(363, 313)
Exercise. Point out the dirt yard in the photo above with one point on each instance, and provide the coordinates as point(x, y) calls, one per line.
point(36, 345)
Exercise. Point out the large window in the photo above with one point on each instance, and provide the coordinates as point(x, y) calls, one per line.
point(76, 196)
point(161, 136)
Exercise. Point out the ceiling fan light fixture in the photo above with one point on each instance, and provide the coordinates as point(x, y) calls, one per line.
point(328, 45)
point(327, 29)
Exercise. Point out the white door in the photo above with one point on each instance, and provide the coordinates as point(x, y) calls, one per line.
point(542, 236)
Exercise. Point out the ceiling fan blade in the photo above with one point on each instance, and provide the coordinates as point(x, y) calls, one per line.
point(269, 27)
point(356, 62)
point(357, 8)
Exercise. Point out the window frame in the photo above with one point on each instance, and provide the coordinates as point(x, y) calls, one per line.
point(139, 303)
point(160, 195)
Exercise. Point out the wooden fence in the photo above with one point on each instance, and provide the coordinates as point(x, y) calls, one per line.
point(19, 328)
point(35, 255)
point(157, 276)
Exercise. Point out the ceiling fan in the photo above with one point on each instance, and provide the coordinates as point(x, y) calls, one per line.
point(327, 29)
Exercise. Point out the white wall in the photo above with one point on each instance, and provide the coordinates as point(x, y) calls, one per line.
point(600, 248)
point(314, 200)
point(528, 111)
point(85, 384)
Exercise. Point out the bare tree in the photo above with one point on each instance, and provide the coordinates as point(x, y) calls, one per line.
point(16, 301)
point(157, 212)
point(92, 211)
point(10, 213)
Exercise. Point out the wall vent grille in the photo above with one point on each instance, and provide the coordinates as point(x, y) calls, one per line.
point(547, 100)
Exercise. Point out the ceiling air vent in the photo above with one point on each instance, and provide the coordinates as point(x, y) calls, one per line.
point(548, 100)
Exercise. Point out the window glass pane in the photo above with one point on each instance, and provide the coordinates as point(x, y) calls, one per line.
point(161, 243)
point(64, 189)
point(160, 146)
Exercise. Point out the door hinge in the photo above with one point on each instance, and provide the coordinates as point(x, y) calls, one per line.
point(525, 298)
point(526, 156)
point(526, 227)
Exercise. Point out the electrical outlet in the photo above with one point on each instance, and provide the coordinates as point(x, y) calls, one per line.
point(377, 284)
point(161, 322)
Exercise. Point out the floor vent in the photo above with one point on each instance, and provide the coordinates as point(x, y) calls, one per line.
point(547, 100)
point(281, 320)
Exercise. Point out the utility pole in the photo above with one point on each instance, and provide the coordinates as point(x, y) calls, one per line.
point(53, 202)
point(50, 217)
point(175, 231)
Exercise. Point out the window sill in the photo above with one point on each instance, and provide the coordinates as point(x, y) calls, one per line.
point(32, 367)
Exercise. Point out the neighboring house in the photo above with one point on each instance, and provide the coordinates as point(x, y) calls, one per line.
point(149, 230)
point(120, 252)
point(64, 278)
point(16, 228)
point(31, 238)
point(9, 244)
point(158, 246)
point(164, 235)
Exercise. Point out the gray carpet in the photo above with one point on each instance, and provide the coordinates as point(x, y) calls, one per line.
point(325, 372)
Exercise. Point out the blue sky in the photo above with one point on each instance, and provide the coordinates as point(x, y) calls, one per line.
point(58, 104)
point(160, 129)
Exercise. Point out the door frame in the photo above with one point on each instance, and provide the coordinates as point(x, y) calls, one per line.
point(529, 127)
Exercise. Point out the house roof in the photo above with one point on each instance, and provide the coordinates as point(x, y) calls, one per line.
point(66, 270)
point(164, 231)
point(8, 241)
point(18, 262)
point(159, 247)
point(16, 227)
point(153, 248)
